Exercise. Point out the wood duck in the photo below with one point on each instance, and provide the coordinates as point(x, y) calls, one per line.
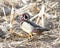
point(29, 26)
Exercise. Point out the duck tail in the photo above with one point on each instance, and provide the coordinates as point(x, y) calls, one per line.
point(43, 29)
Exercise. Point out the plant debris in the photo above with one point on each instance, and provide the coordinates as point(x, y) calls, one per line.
point(44, 13)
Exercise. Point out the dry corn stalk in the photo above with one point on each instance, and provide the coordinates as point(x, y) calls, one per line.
point(11, 19)
point(4, 14)
point(43, 12)
point(38, 20)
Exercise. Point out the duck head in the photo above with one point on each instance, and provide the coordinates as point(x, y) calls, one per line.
point(24, 17)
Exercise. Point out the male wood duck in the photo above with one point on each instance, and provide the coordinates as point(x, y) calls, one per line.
point(30, 27)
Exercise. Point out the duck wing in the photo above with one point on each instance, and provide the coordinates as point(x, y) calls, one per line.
point(37, 26)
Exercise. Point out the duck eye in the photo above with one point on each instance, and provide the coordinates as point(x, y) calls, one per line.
point(26, 17)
